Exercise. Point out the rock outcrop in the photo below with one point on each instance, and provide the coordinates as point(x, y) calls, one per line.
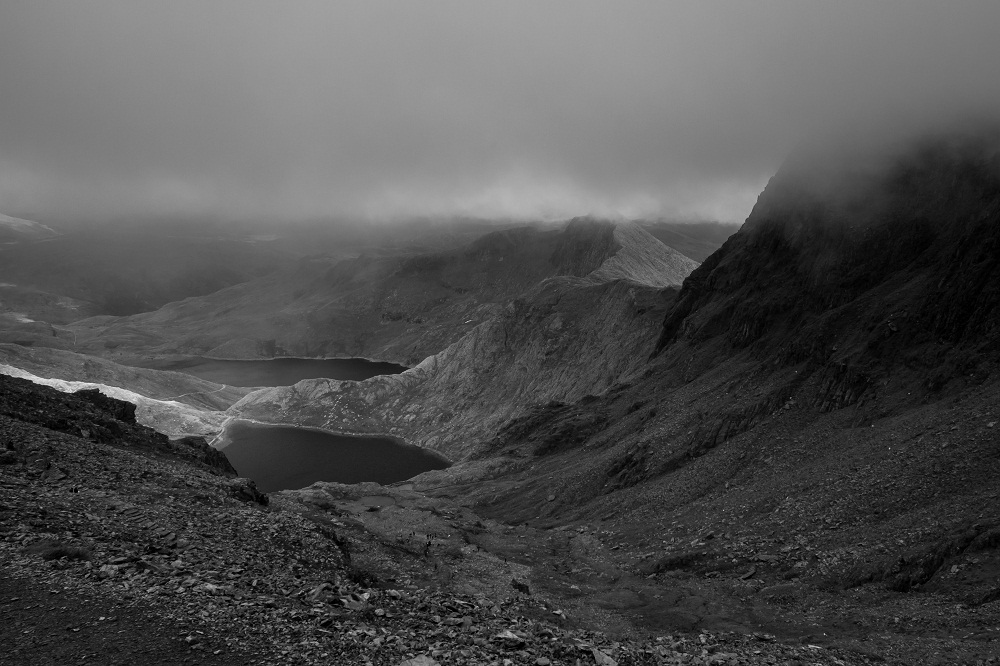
point(100, 418)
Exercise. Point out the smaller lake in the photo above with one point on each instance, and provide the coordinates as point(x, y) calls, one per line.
point(286, 457)
point(277, 371)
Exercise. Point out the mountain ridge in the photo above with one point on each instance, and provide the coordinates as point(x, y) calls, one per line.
point(815, 431)
point(395, 308)
point(567, 338)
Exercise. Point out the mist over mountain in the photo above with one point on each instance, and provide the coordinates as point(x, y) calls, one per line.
point(500, 333)
point(804, 420)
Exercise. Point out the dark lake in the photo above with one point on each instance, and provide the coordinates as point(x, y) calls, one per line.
point(278, 371)
point(285, 457)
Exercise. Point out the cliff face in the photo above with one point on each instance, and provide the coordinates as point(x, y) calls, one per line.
point(864, 291)
point(861, 273)
point(568, 337)
point(859, 303)
point(879, 284)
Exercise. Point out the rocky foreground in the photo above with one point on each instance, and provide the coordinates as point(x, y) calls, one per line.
point(119, 545)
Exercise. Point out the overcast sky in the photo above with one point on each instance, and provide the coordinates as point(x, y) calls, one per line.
point(513, 109)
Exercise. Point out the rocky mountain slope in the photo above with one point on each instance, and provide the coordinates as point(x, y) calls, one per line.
point(567, 338)
point(107, 529)
point(494, 268)
point(802, 441)
point(401, 308)
point(816, 435)
point(564, 340)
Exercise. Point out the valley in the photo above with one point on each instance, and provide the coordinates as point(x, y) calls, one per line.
point(785, 452)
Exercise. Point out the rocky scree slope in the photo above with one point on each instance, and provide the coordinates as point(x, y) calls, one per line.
point(116, 548)
point(821, 413)
point(566, 338)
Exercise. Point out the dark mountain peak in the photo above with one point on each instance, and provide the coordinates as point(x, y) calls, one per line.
point(836, 252)
point(850, 189)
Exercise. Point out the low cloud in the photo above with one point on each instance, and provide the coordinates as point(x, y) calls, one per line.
point(377, 110)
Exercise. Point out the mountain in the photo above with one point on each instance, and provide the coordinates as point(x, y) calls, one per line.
point(815, 433)
point(810, 430)
point(800, 442)
point(142, 537)
point(405, 292)
point(910, 246)
point(49, 279)
point(570, 336)
point(394, 307)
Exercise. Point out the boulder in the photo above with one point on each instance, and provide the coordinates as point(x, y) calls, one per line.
point(245, 490)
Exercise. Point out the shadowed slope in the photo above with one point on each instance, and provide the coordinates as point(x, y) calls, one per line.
point(821, 413)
